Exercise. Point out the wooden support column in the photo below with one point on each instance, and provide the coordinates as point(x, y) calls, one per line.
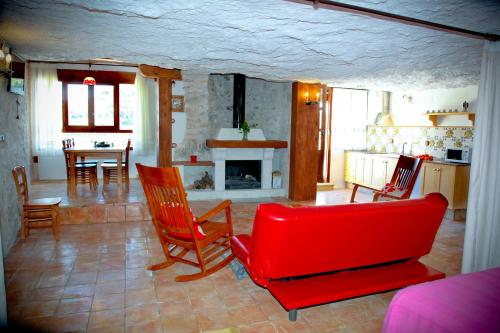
point(165, 122)
point(164, 78)
point(304, 141)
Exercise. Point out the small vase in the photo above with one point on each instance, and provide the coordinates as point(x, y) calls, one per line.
point(245, 136)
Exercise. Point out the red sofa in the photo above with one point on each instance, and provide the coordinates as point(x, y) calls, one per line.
point(307, 256)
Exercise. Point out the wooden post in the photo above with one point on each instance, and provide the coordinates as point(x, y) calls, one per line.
point(165, 122)
point(304, 141)
point(164, 77)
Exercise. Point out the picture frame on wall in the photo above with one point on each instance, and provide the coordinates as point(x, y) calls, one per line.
point(177, 103)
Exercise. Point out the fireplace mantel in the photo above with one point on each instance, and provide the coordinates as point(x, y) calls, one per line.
point(246, 144)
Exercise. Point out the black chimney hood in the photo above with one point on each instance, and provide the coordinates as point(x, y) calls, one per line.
point(239, 100)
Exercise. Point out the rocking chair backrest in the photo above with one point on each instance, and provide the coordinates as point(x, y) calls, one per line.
point(167, 200)
point(406, 173)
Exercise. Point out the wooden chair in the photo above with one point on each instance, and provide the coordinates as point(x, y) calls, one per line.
point(179, 231)
point(35, 213)
point(402, 181)
point(85, 172)
point(110, 169)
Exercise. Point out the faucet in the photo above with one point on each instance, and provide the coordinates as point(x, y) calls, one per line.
point(403, 150)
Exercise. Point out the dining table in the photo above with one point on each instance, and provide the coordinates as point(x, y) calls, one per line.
point(96, 152)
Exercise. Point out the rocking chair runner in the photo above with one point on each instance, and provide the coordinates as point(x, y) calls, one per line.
point(402, 181)
point(178, 230)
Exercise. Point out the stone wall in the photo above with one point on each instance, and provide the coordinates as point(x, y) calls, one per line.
point(209, 106)
point(13, 151)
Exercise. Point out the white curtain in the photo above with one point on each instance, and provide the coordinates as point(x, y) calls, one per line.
point(482, 231)
point(46, 109)
point(145, 118)
point(349, 118)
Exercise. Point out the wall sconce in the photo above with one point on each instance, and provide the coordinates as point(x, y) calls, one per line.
point(408, 98)
point(311, 102)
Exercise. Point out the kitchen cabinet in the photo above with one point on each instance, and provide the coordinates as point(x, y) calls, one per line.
point(452, 181)
point(382, 170)
point(371, 170)
point(375, 170)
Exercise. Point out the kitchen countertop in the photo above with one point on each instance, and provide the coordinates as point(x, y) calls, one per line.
point(435, 160)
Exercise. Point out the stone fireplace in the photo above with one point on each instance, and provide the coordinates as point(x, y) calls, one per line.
point(243, 175)
point(221, 154)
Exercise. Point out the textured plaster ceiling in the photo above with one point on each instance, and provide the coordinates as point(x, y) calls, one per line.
point(270, 39)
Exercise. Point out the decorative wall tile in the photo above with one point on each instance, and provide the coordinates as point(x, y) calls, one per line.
point(423, 140)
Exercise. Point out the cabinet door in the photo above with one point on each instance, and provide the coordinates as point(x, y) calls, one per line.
point(350, 167)
point(360, 169)
point(379, 174)
point(447, 182)
point(431, 178)
point(390, 167)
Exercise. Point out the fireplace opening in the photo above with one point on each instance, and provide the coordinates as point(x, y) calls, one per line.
point(242, 175)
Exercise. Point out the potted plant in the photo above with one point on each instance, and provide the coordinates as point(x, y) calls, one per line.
point(245, 129)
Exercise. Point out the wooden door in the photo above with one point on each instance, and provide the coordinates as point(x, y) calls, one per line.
point(324, 134)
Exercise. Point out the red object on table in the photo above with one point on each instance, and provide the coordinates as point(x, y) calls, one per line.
point(194, 158)
point(364, 248)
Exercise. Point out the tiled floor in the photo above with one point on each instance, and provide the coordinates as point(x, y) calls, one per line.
point(94, 280)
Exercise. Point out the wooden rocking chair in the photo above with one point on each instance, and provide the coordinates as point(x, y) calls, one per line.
point(402, 181)
point(178, 230)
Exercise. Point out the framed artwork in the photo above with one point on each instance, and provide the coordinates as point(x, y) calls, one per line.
point(177, 103)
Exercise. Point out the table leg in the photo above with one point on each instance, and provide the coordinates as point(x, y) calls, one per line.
point(119, 172)
point(72, 174)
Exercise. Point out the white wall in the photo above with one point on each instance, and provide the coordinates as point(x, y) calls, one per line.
point(405, 113)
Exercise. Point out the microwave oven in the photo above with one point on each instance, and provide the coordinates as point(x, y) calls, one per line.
point(459, 155)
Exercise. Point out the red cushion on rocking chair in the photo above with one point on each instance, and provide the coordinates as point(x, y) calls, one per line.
point(393, 190)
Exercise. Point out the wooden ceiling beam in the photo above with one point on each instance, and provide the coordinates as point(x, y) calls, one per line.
point(157, 72)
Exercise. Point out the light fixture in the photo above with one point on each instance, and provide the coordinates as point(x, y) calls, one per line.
point(89, 80)
point(308, 101)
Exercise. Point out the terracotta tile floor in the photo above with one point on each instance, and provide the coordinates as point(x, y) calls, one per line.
point(94, 280)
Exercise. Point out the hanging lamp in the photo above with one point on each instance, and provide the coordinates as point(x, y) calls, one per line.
point(89, 80)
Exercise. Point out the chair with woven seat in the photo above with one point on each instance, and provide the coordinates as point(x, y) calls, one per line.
point(402, 181)
point(110, 169)
point(179, 231)
point(35, 213)
point(85, 172)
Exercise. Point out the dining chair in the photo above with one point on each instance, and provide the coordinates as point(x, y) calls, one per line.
point(402, 181)
point(35, 213)
point(179, 231)
point(85, 172)
point(110, 168)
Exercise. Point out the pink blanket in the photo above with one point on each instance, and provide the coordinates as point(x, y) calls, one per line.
point(463, 303)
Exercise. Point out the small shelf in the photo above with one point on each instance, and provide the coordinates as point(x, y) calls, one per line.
point(197, 163)
point(247, 144)
point(433, 116)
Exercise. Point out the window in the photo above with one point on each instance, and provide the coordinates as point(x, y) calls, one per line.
point(106, 107)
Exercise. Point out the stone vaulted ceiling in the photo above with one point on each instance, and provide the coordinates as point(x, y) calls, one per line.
point(270, 39)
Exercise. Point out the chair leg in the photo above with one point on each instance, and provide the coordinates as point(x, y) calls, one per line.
point(292, 315)
point(23, 226)
point(376, 195)
point(354, 190)
point(191, 277)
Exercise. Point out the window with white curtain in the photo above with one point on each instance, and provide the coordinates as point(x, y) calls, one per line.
point(349, 118)
point(137, 112)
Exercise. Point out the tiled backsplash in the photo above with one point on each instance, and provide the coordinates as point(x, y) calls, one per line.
point(422, 140)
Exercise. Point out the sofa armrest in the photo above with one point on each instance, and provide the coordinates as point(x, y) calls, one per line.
point(241, 245)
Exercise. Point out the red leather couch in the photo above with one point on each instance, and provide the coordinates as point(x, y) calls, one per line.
point(313, 255)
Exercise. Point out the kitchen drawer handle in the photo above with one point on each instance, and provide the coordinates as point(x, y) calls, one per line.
point(436, 169)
